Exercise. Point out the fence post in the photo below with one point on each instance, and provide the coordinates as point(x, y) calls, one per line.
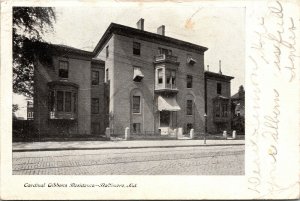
point(234, 134)
point(225, 134)
point(107, 133)
point(127, 133)
point(175, 132)
point(192, 133)
point(179, 133)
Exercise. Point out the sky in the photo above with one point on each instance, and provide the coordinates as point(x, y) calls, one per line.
point(220, 29)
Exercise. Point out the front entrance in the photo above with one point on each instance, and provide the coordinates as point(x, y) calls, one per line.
point(165, 122)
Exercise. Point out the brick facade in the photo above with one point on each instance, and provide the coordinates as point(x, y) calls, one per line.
point(120, 52)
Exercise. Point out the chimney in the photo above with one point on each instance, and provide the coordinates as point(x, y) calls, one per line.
point(161, 30)
point(220, 69)
point(140, 24)
point(207, 67)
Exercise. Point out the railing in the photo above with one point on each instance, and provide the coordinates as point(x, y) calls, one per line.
point(165, 57)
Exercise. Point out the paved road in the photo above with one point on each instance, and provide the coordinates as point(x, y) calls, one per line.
point(213, 160)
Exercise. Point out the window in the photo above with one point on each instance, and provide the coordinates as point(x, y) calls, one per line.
point(75, 102)
point(106, 75)
point(68, 101)
point(164, 51)
point(224, 110)
point(60, 101)
point(217, 108)
point(136, 128)
point(51, 101)
point(64, 101)
point(63, 71)
point(168, 76)
point(136, 104)
point(30, 115)
point(219, 88)
point(173, 75)
point(136, 48)
point(189, 81)
point(107, 51)
point(95, 128)
point(107, 105)
point(160, 76)
point(137, 74)
point(189, 126)
point(189, 107)
point(95, 77)
point(95, 105)
point(190, 59)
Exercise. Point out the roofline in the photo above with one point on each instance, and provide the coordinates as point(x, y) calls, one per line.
point(121, 29)
point(217, 75)
point(72, 50)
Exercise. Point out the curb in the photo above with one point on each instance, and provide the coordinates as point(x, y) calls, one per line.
point(136, 147)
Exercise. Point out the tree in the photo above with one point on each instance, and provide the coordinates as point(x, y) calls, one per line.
point(29, 24)
point(15, 107)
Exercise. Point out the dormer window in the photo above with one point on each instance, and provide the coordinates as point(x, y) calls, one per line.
point(63, 71)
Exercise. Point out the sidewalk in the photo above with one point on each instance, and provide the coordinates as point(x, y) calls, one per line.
point(117, 144)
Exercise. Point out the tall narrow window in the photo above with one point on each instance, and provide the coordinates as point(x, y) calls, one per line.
point(60, 101)
point(63, 71)
point(51, 101)
point(160, 76)
point(173, 75)
point(189, 107)
point(95, 105)
point(136, 48)
point(168, 76)
point(75, 102)
point(136, 104)
point(219, 88)
point(217, 109)
point(95, 77)
point(189, 81)
point(68, 101)
point(106, 75)
point(107, 51)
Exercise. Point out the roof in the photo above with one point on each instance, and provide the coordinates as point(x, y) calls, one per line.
point(235, 96)
point(72, 50)
point(145, 35)
point(221, 97)
point(209, 74)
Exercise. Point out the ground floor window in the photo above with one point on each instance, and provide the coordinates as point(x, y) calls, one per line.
point(95, 106)
point(95, 128)
point(136, 128)
point(189, 126)
point(62, 101)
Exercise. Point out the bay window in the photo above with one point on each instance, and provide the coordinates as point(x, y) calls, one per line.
point(62, 100)
point(166, 78)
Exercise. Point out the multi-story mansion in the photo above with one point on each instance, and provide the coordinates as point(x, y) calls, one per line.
point(148, 82)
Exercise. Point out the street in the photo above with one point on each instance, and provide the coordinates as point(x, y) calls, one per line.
point(201, 160)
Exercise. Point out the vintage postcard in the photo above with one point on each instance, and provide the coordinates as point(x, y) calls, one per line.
point(150, 100)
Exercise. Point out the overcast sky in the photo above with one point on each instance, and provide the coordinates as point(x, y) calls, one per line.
point(220, 29)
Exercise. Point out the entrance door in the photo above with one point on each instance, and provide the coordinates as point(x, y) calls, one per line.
point(165, 119)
